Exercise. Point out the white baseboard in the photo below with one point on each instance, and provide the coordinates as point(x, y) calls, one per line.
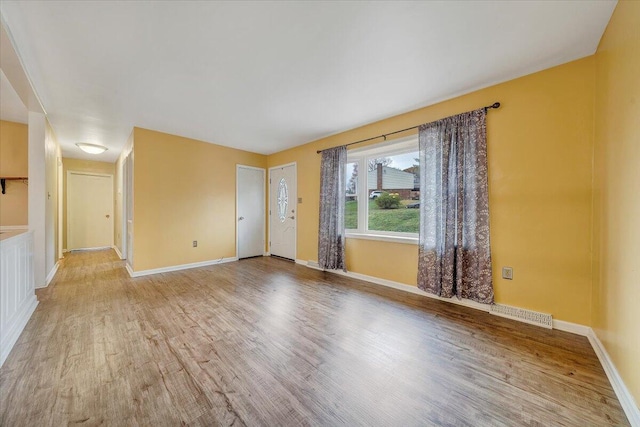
point(97, 248)
point(7, 228)
point(574, 328)
point(397, 285)
point(622, 392)
point(52, 273)
point(625, 397)
point(266, 254)
point(9, 339)
point(115, 248)
point(129, 269)
point(178, 267)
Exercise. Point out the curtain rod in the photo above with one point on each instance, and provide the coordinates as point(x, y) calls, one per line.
point(385, 135)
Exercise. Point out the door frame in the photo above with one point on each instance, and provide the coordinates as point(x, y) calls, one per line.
point(128, 209)
point(61, 194)
point(264, 201)
point(69, 173)
point(295, 173)
point(124, 173)
point(123, 210)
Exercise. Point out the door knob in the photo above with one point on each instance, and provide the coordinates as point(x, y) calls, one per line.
point(107, 216)
point(241, 218)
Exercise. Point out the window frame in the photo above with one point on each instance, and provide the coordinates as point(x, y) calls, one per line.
point(361, 156)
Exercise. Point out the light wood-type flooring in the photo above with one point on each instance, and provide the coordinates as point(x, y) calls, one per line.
point(267, 342)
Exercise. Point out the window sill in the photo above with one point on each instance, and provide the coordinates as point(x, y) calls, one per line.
point(383, 238)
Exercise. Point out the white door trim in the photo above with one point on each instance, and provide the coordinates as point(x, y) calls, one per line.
point(60, 207)
point(129, 193)
point(295, 170)
point(69, 173)
point(123, 210)
point(264, 201)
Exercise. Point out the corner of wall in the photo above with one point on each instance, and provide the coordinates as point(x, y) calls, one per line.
point(615, 199)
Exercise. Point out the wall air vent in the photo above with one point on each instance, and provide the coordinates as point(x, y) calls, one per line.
point(527, 316)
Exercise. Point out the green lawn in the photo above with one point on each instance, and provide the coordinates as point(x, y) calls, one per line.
point(401, 219)
point(351, 214)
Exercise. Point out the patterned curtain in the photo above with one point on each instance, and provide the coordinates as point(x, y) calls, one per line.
point(454, 254)
point(332, 200)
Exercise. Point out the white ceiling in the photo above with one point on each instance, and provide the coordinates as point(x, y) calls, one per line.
point(265, 76)
point(11, 107)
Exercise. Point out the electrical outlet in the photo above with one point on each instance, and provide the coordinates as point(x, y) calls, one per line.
point(507, 273)
point(195, 243)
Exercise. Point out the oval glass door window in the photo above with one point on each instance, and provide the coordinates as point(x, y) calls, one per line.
point(283, 199)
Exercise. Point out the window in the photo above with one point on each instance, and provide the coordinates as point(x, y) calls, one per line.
point(382, 191)
point(351, 205)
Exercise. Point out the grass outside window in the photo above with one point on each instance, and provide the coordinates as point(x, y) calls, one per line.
point(400, 220)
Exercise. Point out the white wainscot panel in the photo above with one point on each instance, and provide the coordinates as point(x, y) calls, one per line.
point(17, 287)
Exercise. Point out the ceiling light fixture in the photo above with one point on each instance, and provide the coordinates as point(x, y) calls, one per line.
point(91, 148)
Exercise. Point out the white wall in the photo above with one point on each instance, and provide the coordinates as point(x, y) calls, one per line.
point(43, 197)
point(120, 231)
point(38, 195)
point(52, 154)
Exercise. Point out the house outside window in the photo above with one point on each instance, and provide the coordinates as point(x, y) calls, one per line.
point(382, 191)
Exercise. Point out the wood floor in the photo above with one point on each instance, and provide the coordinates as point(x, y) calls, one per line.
point(267, 342)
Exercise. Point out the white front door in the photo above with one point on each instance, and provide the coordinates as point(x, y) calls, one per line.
point(282, 211)
point(89, 211)
point(250, 213)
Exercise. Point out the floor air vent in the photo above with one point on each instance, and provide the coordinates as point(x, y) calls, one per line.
point(527, 316)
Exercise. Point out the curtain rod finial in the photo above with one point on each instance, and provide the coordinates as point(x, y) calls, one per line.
point(494, 105)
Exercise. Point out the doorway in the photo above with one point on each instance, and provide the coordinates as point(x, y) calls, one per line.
point(250, 223)
point(282, 211)
point(89, 210)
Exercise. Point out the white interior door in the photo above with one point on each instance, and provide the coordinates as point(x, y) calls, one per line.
point(250, 211)
point(282, 211)
point(89, 211)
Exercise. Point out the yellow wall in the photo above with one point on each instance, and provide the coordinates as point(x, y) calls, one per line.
point(78, 165)
point(564, 151)
point(540, 155)
point(616, 201)
point(14, 162)
point(184, 190)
